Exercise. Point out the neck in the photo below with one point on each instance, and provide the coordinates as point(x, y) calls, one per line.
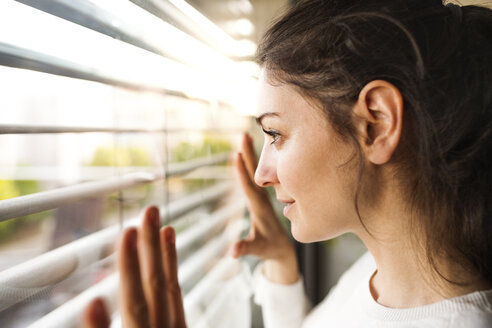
point(399, 281)
point(402, 282)
point(404, 278)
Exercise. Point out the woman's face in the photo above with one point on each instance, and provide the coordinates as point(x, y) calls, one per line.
point(306, 163)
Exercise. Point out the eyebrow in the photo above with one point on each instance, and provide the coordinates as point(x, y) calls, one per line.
point(267, 114)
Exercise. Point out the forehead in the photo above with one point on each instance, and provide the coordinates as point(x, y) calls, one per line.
point(283, 101)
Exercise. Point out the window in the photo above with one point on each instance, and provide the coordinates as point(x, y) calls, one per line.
point(107, 108)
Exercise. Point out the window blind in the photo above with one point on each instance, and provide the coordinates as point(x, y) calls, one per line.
point(107, 107)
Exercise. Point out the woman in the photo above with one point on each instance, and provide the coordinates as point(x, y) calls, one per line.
point(378, 121)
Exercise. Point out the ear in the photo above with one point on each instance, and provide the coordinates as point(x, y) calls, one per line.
point(379, 118)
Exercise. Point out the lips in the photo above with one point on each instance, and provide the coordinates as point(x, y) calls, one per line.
point(288, 205)
point(287, 208)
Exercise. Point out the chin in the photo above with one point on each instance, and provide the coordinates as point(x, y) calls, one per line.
point(303, 236)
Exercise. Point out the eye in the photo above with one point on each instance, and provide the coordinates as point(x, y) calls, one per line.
point(272, 133)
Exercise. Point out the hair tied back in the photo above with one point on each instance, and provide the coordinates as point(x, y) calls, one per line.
point(456, 12)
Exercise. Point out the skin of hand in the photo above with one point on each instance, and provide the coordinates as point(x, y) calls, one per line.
point(150, 295)
point(149, 292)
point(267, 239)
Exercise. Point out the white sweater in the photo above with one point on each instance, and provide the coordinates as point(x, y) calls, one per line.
point(350, 304)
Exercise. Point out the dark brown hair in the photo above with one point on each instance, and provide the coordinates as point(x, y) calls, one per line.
point(440, 58)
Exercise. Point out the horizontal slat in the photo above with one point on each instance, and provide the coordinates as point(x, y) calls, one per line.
point(208, 225)
point(45, 200)
point(194, 23)
point(90, 173)
point(33, 129)
point(68, 315)
point(230, 305)
point(28, 278)
point(36, 46)
point(200, 262)
point(15, 56)
point(128, 22)
point(42, 201)
point(196, 266)
point(53, 45)
point(196, 301)
point(27, 129)
point(188, 166)
point(203, 228)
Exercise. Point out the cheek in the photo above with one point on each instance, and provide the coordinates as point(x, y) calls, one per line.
point(305, 168)
point(293, 171)
point(323, 189)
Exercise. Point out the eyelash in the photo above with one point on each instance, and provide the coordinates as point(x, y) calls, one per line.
point(272, 133)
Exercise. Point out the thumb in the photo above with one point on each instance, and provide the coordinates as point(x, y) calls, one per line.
point(246, 247)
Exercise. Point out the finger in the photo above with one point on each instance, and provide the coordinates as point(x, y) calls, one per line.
point(133, 307)
point(250, 159)
point(237, 248)
point(258, 201)
point(96, 315)
point(253, 192)
point(170, 260)
point(151, 268)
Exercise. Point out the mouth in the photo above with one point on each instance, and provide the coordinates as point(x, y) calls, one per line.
point(288, 205)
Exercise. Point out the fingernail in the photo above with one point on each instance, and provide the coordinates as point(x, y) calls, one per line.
point(170, 236)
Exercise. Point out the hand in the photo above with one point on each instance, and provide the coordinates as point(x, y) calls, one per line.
point(267, 238)
point(149, 293)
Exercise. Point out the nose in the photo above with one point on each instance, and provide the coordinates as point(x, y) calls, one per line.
point(266, 172)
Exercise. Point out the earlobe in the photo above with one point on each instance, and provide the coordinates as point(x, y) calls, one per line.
point(379, 113)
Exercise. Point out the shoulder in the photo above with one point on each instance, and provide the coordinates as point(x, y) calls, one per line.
point(348, 288)
point(365, 263)
point(360, 270)
point(472, 310)
point(476, 319)
point(355, 279)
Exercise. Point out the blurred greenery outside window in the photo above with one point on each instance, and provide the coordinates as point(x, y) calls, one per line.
point(106, 156)
point(12, 189)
